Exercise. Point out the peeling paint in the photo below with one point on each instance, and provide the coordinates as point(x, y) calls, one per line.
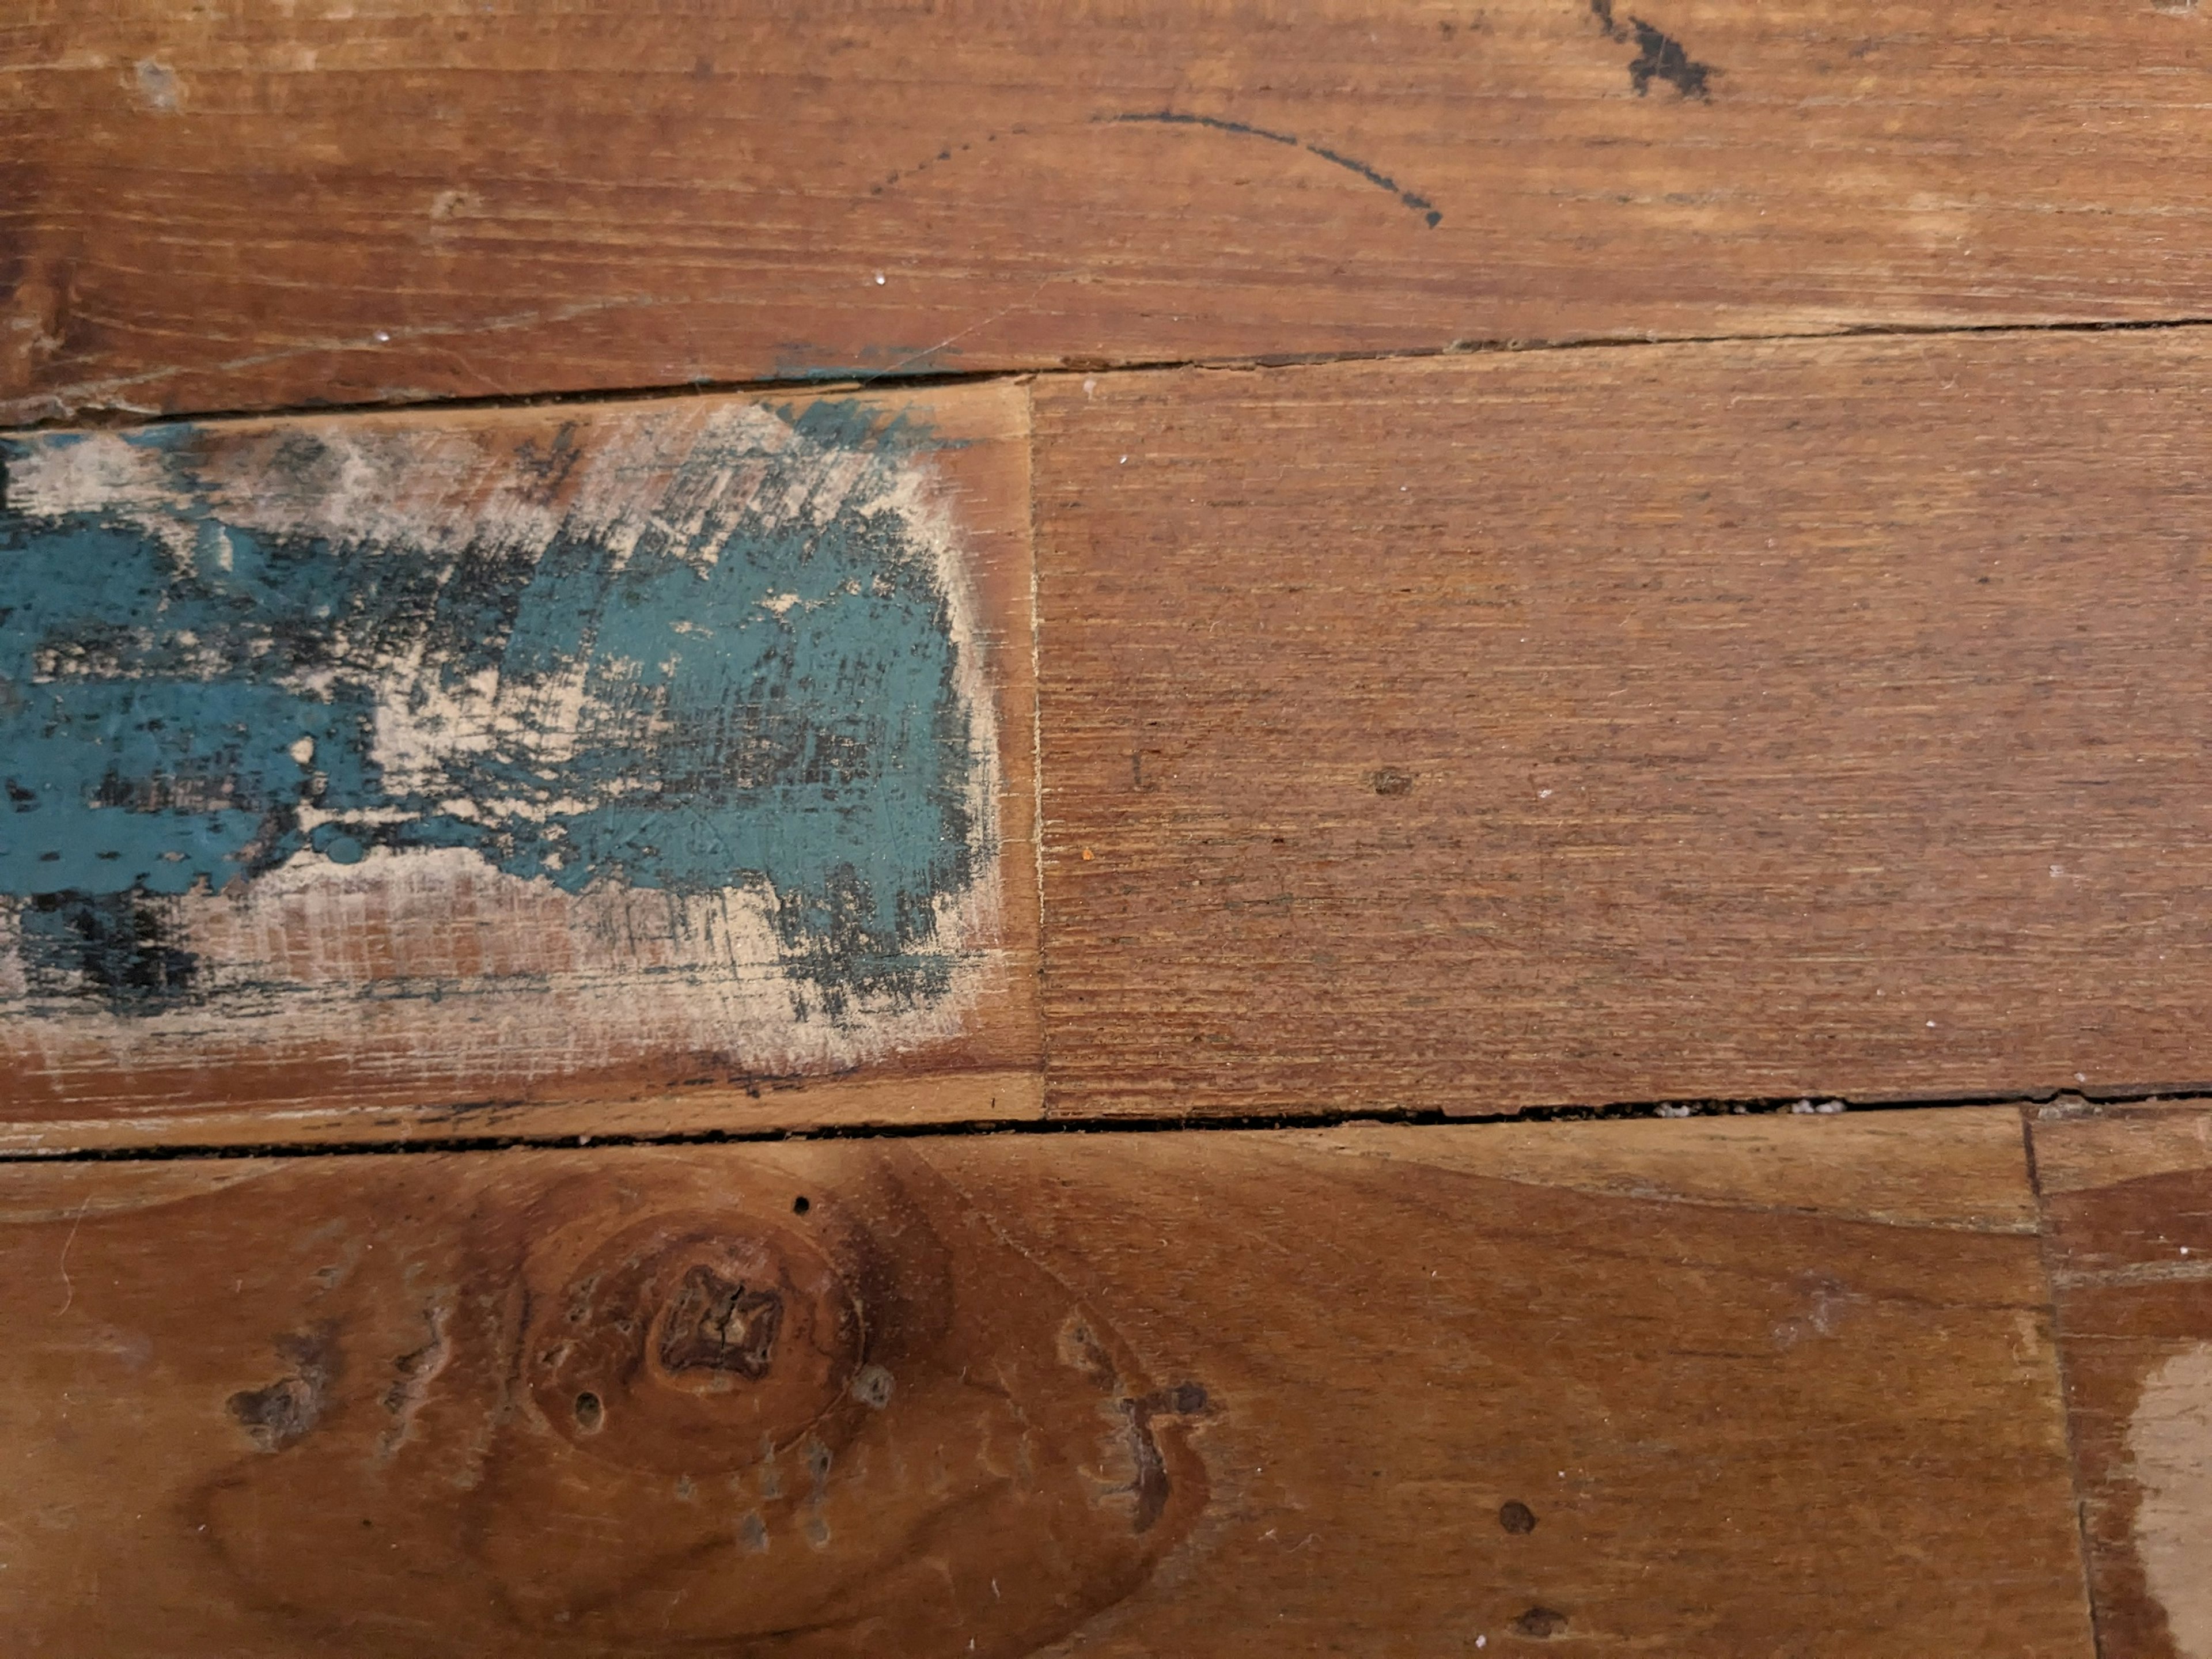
point(694, 688)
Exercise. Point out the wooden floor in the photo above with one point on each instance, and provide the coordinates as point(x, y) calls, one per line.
point(1132, 829)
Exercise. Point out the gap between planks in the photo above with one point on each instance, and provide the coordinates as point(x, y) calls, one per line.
point(2068, 1101)
point(120, 417)
point(2045, 1254)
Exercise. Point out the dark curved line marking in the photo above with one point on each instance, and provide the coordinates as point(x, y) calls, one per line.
point(1420, 204)
point(947, 152)
point(1171, 118)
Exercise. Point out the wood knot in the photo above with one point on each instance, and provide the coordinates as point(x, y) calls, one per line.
point(717, 1325)
point(275, 1416)
point(687, 1347)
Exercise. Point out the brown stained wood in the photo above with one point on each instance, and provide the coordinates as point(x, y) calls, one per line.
point(1677, 1387)
point(1720, 720)
point(655, 766)
point(2128, 1192)
point(274, 205)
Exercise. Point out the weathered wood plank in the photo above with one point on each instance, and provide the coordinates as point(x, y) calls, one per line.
point(1737, 720)
point(1733, 1387)
point(482, 772)
point(276, 205)
point(2127, 1191)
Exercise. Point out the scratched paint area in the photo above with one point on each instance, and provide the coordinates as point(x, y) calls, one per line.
point(664, 726)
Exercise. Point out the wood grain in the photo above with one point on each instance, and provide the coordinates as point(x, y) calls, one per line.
point(2127, 1191)
point(277, 205)
point(1670, 1387)
point(493, 772)
point(1720, 721)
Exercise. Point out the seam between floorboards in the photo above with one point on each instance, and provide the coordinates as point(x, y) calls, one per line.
point(2044, 1257)
point(1663, 1110)
point(114, 418)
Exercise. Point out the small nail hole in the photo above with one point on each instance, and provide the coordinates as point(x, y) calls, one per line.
point(590, 1414)
point(799, 1205)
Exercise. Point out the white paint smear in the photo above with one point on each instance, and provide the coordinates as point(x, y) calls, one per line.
point(2170, 1439)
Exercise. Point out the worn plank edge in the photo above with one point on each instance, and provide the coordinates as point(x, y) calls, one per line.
point(16, 416)
point(770, 1109)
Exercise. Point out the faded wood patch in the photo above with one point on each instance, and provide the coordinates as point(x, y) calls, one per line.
point(437, 761)
point(1660, 1387)
point(2128, 1194)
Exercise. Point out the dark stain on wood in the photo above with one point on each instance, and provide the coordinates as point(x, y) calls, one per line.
point(279, 1414)
point(1661, 56)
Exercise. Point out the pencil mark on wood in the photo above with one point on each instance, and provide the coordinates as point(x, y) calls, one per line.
point(1418, 204)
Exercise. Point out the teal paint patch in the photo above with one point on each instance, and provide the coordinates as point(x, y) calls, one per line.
point(687, 695)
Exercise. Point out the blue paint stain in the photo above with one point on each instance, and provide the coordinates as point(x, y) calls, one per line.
point(152, 706)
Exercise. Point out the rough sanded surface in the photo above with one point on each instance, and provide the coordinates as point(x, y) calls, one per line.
point(1630, 725)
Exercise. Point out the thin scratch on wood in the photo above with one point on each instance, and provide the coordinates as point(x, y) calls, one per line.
point(69, 1290)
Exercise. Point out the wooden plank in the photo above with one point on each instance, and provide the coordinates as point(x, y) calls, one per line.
point(1726, 720)
point(279, 205)
point(1721, 1388)
point(486, 772)
point(2127, 1191)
